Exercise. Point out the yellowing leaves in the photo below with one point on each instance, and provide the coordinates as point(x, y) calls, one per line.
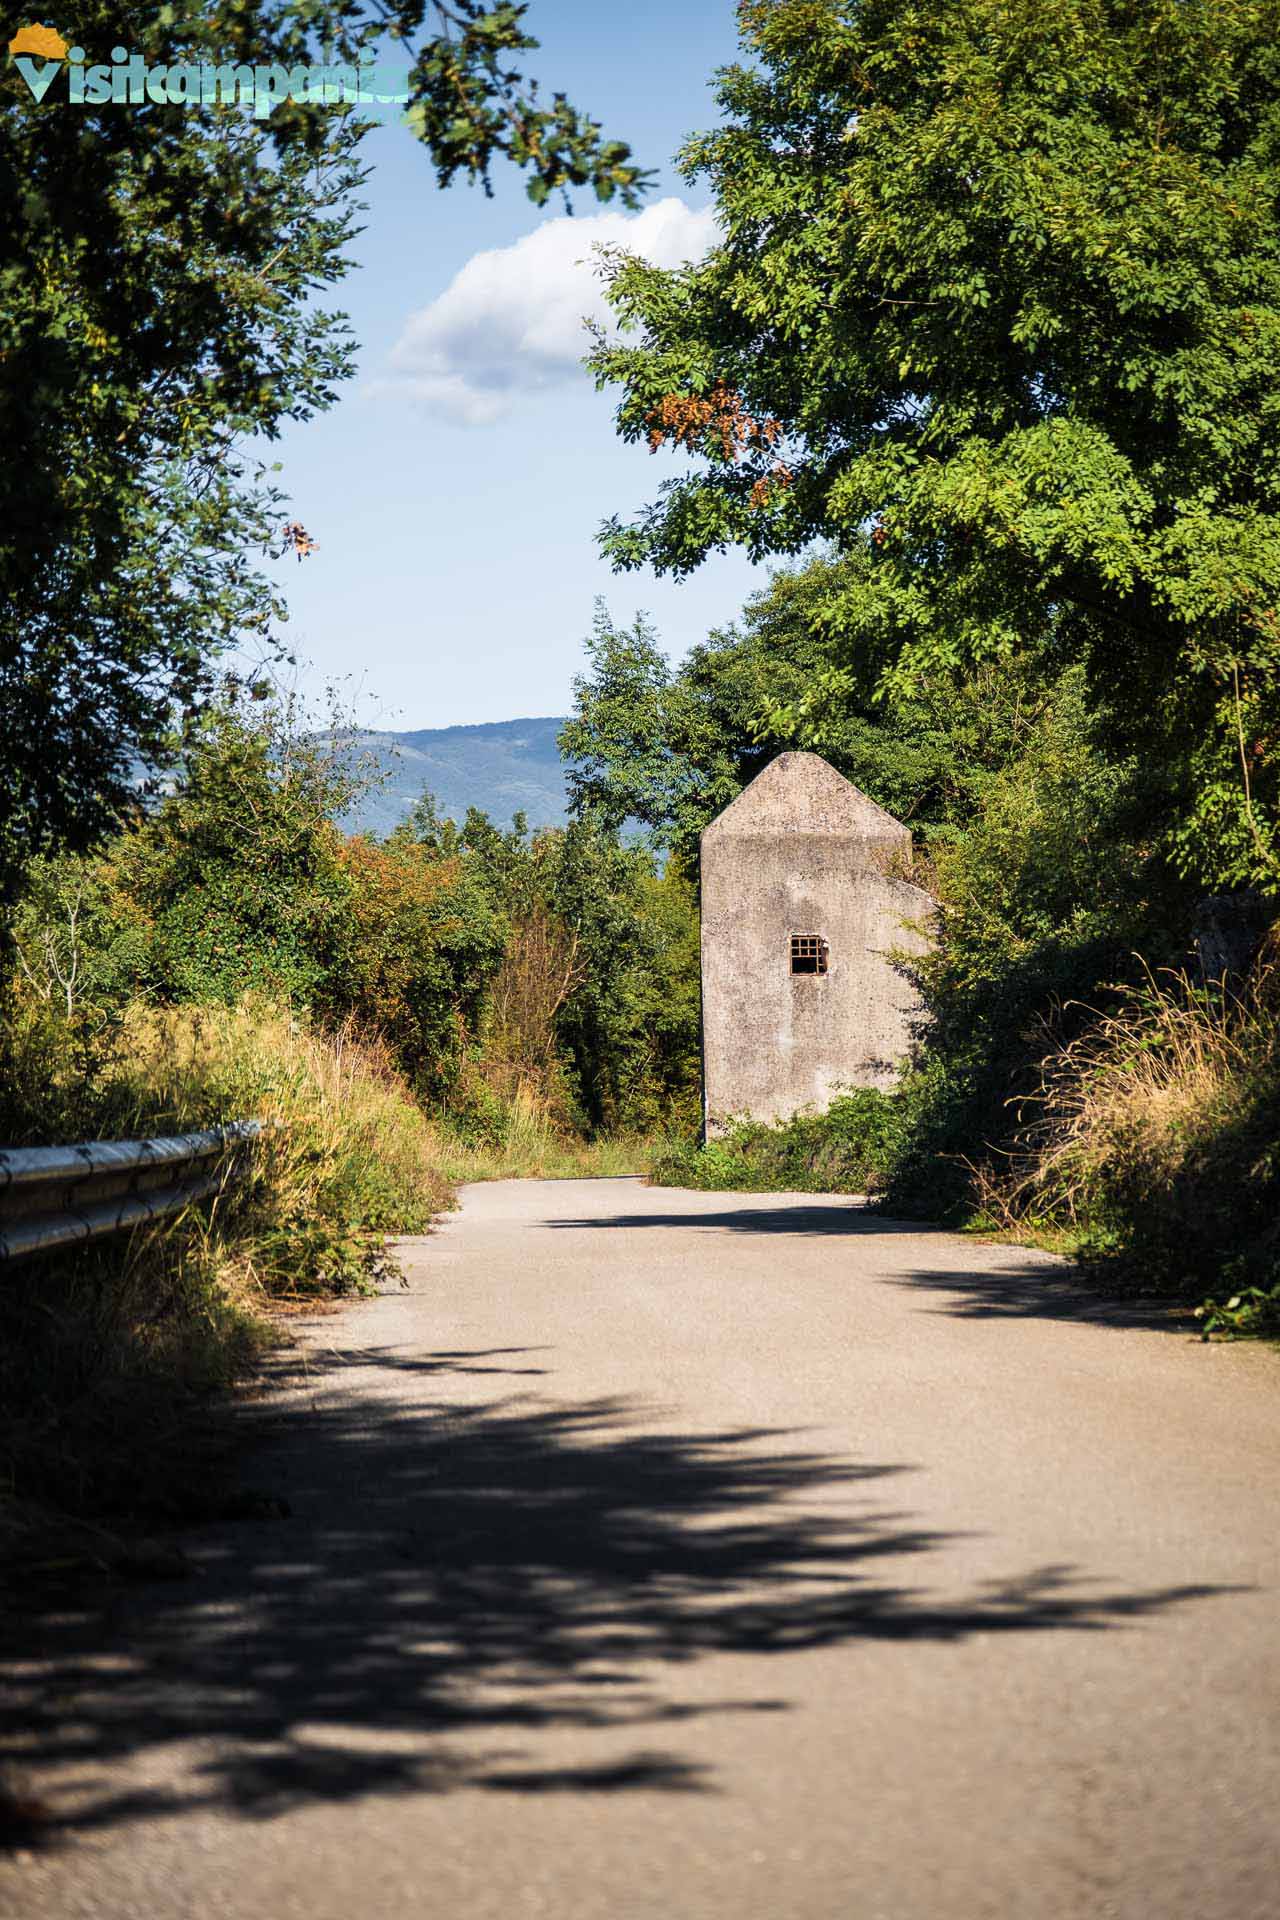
point(686, 418)
point(298, 540)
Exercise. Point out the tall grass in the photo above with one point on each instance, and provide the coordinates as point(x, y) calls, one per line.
point(1154, 1141)
point(104, 1350)
point(523, 1138)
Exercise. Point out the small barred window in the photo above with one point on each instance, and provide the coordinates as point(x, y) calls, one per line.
point(808, 953)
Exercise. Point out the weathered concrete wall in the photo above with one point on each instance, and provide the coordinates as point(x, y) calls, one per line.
point(802, 851)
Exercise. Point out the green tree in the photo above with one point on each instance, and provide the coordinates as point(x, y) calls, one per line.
point(156, 310)
point(620, 760)
point(421, 938)
point(630, 1028)
point(79, 942)
point(159, 274)
point(1045, 896)
point(997, 306)
point(672, 747)
point(603, 951)
point(237, 873)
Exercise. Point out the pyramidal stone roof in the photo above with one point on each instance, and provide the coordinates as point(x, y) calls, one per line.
point(801, 793)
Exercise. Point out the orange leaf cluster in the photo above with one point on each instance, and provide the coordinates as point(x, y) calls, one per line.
point(764, 486)
point(685, 418)
point(297, 538)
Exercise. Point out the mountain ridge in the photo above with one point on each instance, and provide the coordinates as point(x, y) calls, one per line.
point(504, 767)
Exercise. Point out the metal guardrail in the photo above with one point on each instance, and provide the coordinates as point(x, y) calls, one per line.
point(59, 1196)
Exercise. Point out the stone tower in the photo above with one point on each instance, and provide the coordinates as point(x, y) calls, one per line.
point(802, 903)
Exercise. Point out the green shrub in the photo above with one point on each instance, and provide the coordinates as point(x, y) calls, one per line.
point(1251, 1314)
point(1045, 892)
point(104, 1349)
point(1154, 1140)
point(421, 940)
point(847, 1149)
point(236, 875)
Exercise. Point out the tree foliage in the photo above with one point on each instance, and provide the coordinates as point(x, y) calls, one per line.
point(238, 884)
point(162, 273)
point(670, 747)
point(235, 874)
point(997, 306)
point(422, 939)
point(606, 946)
point(156, 310)
point(471, 106)
point(490, 962)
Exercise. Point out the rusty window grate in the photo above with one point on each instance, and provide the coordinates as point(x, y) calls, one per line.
point(808, 953)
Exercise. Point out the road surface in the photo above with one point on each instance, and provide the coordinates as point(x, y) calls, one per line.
point(672, 1556)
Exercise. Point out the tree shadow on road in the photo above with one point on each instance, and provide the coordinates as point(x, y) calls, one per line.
point(817, 1216)
point(455, 1582)
point(1005, 1287)
point(1034, 1290)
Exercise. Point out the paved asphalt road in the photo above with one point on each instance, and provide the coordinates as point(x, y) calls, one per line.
point(670, 1556)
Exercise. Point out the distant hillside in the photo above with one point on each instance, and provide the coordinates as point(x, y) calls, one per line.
point(505, 767)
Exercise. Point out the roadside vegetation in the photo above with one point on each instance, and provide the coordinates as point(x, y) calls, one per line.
point(1152, 1144)
point(455, 1002)
point(1077, 1078)
point(984, 279)
point(844, 1150)
point(104, 1350)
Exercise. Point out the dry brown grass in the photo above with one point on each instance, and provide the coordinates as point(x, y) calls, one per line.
point(1152, 1135)
point(108, 1353)
point(541, 967)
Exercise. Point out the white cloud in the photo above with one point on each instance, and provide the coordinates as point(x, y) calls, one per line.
point(511, 322)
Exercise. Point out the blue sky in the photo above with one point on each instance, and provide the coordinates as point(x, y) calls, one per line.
point(457, 486)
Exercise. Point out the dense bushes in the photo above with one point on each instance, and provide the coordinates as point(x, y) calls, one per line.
point(560, 966)
point(630, 1028)
point(844, 1150)
point(100, 1349)
point(233, 880)
point(1153, 1141)
point(237, 883)
point(591, 1014)
point(1048, 884)
point(421, 941)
